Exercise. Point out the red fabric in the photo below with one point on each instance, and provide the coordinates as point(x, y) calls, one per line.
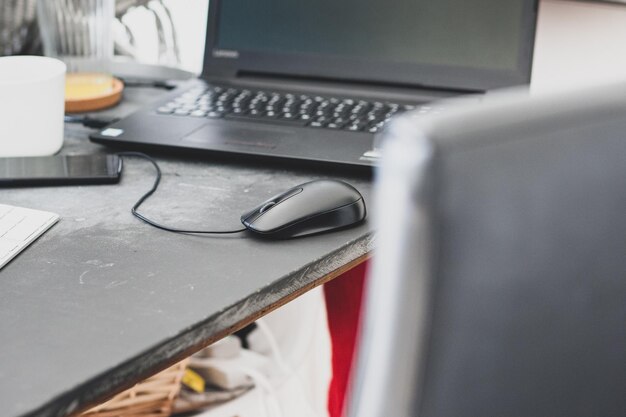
point(343, 303)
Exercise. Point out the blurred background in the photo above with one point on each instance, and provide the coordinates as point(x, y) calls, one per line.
point(159, 32)
point(171, 33)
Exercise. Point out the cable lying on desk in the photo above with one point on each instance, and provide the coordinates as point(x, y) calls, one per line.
point(143, 198)
point(89, 121)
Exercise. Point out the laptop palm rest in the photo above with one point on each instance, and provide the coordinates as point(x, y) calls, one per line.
point(218, 135)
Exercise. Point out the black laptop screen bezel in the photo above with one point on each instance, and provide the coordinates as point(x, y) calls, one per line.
point(225, 64)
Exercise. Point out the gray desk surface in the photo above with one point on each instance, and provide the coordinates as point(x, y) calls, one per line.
point(102, 300)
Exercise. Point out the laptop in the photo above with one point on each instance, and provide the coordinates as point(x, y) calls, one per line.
point(316, 81)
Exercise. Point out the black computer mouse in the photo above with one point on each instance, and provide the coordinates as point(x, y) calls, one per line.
point(313, 207)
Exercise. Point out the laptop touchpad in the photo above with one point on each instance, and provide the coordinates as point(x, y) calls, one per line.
point(228, 136)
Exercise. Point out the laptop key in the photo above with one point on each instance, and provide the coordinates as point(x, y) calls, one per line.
point(165, 110)
point(355, 127)
point(277, 121)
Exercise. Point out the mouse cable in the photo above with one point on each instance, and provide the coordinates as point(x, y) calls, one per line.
point(144, 197)
point(90, 121)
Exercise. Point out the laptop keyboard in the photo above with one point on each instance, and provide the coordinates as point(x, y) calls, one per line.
point(216, 102)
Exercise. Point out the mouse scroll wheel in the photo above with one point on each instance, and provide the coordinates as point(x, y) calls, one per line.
point(267, 206)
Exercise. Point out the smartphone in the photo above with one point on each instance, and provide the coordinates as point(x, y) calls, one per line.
point(60, 170)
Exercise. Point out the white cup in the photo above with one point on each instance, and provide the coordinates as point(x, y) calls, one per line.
point(32, 105)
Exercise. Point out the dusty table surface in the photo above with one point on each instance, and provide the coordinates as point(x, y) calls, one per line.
point(101, 300)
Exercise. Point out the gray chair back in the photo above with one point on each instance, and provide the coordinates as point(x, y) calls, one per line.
point(499, 282)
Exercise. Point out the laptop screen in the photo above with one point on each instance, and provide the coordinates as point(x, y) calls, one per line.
point(444, 43)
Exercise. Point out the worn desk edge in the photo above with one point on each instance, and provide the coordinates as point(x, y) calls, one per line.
point(212, 329)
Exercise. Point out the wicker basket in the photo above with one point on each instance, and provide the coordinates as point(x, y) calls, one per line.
point(150, 398)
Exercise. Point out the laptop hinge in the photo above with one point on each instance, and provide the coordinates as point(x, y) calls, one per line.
point(340, 87)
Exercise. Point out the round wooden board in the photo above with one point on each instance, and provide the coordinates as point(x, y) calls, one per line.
point(96, 102)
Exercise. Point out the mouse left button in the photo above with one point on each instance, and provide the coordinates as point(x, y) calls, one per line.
point(253, 214)
point(287, 194)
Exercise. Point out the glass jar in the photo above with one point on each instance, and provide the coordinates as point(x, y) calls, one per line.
point(79, 32)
